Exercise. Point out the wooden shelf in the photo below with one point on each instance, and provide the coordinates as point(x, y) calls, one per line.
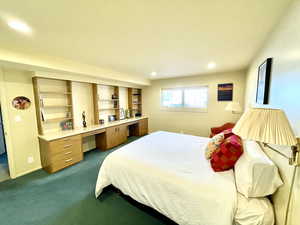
point(134, 100)
point(57, 119)
point(55, 92)
point(62, 89)
point(56, 106)
point(104, 109)
point(108, 100)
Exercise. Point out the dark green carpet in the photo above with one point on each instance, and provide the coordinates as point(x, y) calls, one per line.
point(67, 198)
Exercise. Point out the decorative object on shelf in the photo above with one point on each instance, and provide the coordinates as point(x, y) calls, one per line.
point(42, 102)
point(234, 107)
point(263, 82)
point(83, 119)
point(69, 114)
point(127, 113)
point(225, 92)
point(66, 125)
point(101, 121)
point(42, 115)
point(112, 118)
point(114, 96)
point(271, 126)
point(21, 102)
point(122, 114)
point(138, 114)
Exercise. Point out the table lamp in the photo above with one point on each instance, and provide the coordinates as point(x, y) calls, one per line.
point(234, 107)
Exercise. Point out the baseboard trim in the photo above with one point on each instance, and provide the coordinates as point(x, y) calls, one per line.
point(27, 172)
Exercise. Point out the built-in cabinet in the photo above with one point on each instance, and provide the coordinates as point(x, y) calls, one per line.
point(61, 153)
point(115, 136)
point(54, 108)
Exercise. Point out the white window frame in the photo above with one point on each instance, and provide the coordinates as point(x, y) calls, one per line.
point(182, 108)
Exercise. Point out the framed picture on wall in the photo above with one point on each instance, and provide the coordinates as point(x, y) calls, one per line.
point(225, 92)
point(263, 82)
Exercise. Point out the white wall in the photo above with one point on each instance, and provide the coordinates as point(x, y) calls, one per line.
point(284, 46)
point(20, 125)
point(196, 123)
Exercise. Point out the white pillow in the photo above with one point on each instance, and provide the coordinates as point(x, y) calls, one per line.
point(254, 211)
point(255, 174)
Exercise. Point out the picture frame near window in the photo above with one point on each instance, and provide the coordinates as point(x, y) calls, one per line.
point(263, 82)
point(225, 92)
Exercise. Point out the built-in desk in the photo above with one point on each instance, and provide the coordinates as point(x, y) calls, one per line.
point(62, 149)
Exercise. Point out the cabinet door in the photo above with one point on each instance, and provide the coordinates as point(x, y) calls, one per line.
point(122, 133)
point(112, 137)
point(143, 127)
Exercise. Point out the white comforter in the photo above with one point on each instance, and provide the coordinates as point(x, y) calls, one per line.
point(168, 172)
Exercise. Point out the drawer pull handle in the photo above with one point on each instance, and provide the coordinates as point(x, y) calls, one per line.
point(67, 153)
point(69, 160)
point(68, 146)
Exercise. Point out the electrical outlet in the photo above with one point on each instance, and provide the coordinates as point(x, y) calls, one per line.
point(30, 159)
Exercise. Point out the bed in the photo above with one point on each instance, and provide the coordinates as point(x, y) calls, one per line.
point(153, 171)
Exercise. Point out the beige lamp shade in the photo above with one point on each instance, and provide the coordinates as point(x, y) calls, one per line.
point(269, 126)
point(234, 107)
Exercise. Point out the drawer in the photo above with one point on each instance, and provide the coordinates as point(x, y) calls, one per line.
point(65, 145)
point(64, 155)
point(63, 163)
point(90, 133)
point(66, 141)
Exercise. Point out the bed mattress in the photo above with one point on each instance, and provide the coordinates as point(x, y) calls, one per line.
point(168, 172)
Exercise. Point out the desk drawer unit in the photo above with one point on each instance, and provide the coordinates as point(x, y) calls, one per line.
point(61, 153)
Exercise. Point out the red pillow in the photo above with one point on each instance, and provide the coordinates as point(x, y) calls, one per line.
point(227, 133)
point(217, 130)
point(230, 151)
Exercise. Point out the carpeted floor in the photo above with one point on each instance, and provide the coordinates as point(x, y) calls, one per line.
point(67, 198)
point(4, 174)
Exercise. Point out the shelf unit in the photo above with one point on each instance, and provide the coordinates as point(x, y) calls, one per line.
point(134, 101)
point(53, 98)
point(53, 103)
point(105, 103)
point(55, 92)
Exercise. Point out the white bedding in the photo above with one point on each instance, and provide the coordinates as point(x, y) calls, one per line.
point(169, 172)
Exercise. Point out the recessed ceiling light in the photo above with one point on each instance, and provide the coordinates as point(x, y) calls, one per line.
point(153, 74)
point(19, 26)
point(211, 65)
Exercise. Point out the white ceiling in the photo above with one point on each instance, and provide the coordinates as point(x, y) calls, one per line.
point(171, 37)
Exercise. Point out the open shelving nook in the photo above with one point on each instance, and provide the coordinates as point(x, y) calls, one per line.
point(53, 103)
point(134, 101)
point(106, 102)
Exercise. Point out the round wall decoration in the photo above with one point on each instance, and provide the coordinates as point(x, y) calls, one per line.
point(21, 102)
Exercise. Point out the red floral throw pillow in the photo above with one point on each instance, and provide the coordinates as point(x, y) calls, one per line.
point(230, 151)
point(227, 133)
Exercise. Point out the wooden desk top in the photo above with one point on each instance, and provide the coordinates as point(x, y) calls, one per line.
point(62, 134)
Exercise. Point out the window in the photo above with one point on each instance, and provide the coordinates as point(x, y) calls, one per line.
point(186, 98)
